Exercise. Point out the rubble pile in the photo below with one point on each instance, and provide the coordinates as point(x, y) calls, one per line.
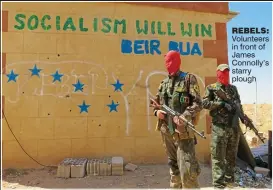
point(250, 179)
point(258, 176)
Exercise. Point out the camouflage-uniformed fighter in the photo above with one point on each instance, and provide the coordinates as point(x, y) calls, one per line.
point(225, 128)
point(179, 91)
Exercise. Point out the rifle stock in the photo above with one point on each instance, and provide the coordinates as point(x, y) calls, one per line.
point(243, 117)
point(173, 113)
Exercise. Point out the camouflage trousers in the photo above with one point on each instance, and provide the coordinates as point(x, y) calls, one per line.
point(224, 146)
point(184, 167)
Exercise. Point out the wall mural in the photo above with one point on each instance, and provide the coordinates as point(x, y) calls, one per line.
point(78, 86)
point(116, 26)
point(104, 25)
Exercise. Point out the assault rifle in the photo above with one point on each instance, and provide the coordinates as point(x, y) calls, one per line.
point(173, 113)
point(243, 117)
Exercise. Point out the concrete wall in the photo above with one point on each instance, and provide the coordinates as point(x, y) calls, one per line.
point(90, 42)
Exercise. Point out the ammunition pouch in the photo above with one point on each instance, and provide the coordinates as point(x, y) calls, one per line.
point(186, 133)
point(180, 100)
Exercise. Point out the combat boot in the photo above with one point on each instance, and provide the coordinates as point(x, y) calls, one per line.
point(175, 182)
point(231, 185)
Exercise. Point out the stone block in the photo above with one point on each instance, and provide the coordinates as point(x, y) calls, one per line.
point(109, 166)
point(117, 166)
point(78, 167)
point(93, 167)
point(263, 171)
point(63, 170)
point(88, 166)
point(103, 167)
point(130, 167)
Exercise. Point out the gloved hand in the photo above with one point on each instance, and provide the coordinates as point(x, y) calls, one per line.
point(227, 106)
point(245, 120)
point(224, 105)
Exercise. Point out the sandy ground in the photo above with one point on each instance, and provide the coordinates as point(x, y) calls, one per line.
point(146, 176)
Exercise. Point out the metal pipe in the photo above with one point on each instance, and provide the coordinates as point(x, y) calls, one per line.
point(270, 152)
point(256, 102)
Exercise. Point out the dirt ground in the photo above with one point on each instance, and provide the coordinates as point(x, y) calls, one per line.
point(145, 176)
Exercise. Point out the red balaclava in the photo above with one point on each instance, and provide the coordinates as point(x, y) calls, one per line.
point(172, 62)
point(223, 77)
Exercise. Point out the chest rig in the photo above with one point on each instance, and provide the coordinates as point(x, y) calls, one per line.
point(222, 115)
point(175, 94)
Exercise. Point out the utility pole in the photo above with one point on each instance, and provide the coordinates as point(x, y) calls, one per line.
point(256, 103)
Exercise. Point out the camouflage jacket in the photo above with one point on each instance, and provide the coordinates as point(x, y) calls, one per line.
point(182, 94)
point(213, 103)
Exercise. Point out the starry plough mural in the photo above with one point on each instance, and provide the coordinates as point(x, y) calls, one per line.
point(78, 86)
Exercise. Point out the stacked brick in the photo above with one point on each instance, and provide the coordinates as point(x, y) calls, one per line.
point(79, 167)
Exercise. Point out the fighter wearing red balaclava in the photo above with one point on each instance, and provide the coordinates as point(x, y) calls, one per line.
point(223, 75)
point(172, 62)
point(225, 125)
point(179, 91)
